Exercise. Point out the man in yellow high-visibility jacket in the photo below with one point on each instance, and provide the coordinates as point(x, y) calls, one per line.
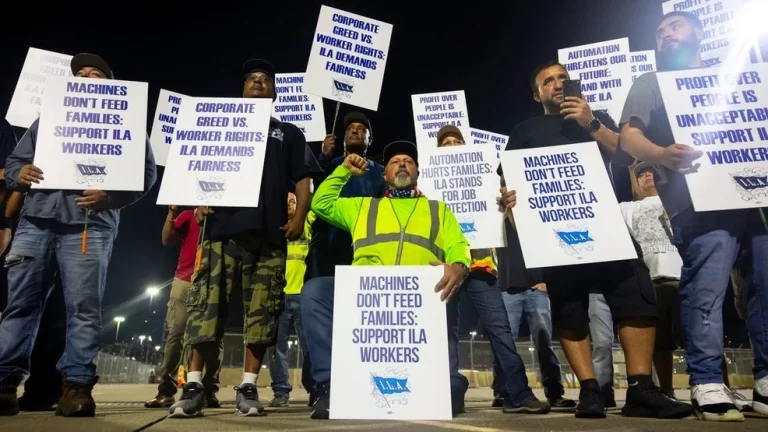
point(403, 228)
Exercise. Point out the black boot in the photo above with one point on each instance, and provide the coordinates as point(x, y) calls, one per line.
point(9, 404)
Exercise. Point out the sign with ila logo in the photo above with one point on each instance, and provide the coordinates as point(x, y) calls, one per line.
point(390, 345)
point(566, 210)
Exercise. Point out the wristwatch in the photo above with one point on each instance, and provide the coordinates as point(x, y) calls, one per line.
point(594, 125)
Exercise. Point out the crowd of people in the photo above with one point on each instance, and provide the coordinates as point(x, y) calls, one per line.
point(282, 259)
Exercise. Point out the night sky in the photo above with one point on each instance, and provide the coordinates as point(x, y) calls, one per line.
point(487, 48)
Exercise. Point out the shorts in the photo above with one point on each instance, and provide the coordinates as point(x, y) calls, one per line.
point(626, 286)
point(257, 269)
point(669, 327)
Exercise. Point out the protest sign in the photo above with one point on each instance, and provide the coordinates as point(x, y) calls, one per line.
point(725, 116)
point(295, 106)
point(92, 134)
point(465, 178)
point(390, 346)
point(348, 57)
point(217, 154)
point(566, 210)
point(166, 114)
point(480, 136)
point(27, 99)
point(431, 111)
point(642, 62)
point(720, 27)
point(605, 72)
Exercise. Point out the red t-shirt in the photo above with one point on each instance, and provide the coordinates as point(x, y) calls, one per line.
point(189, 230)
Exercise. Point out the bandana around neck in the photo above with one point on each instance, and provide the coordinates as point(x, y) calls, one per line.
point(402, 193)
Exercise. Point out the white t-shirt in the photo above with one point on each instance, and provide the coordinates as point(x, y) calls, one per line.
point(650, 227)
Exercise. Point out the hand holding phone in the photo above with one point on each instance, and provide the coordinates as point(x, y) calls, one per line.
point(572, 88)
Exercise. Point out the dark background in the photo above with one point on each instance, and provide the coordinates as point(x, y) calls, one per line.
point(487, 48)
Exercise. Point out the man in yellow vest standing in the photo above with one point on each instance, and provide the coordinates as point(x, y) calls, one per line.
point(403, 228)
point(291, 317)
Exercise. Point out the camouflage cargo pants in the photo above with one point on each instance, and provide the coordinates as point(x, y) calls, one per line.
point(256, 268)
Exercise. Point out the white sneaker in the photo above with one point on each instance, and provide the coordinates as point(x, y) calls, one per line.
point(759, 402)
point(741, 402)
point(713, 402)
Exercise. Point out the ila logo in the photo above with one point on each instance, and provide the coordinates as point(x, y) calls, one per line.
point(752, 184)
point(91, 171)
point(211, 189)
point(342, 88)
point(390, 387)
point(575, 239)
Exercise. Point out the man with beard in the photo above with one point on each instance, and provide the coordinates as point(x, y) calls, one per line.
point(330, 246)
point(245, 249)
point(708, 242)
point(433, 237)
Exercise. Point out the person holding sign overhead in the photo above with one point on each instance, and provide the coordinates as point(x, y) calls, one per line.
point(482, 290)
point(626, 285)
point(709, 242)
point(73, 231)
point(245, 248)
point(428, 234)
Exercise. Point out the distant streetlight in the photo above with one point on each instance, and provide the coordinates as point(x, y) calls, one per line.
point(141, 339)
point(118, 320)
point(157, 347)
point(152, 291)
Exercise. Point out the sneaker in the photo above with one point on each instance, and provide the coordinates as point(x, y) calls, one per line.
point(741, 402)
point(759, 403)
point(211, 401)
point(247, 401)
point(321, 408)
point(652, 402)
point(591, 401)
point(191, 403)
point(9, 403)
point(609, 397)
point(160, 401)
point(76, 400)
point(561, 402)
point(713, 402)
point(279, 401)
point(531, 406)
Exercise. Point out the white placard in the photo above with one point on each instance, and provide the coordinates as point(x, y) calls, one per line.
point(604, 70)
point(166, 115)
point(217, 154)
point(643, 62)
point(480, 136)
point(719, 21)
point(92, 134)
point(294, 105)
point(390, 345)
point(566, 210)
point(431, 111)
point(27, 99)
point(348, 58)
point(725, 116)
point(465, 178)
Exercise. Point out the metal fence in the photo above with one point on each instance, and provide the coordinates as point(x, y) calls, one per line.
point(114, 369)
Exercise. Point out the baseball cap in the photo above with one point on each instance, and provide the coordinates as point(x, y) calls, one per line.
point(401, 147)
point(642, 166)
point(254, 65)
point(82, 60)
point(356, 117)
point(448, 130)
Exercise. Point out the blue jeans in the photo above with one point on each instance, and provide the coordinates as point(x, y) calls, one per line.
point(709, 243)
point(601, 333)
point(278, 362)
point(485, 296)
point(40, 248)
point(534, 304)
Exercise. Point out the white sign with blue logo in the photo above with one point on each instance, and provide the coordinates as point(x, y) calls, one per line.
point(390, 345)
point(723, 115)
point(294, 105)
point(217, 153)
point(27, 99)
point(480, 136)
point(566, 210)
point(166, 114)
point(92, 134)
point(348, 57)
point(465, 178)
point(431, 111)
point(642, 62)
